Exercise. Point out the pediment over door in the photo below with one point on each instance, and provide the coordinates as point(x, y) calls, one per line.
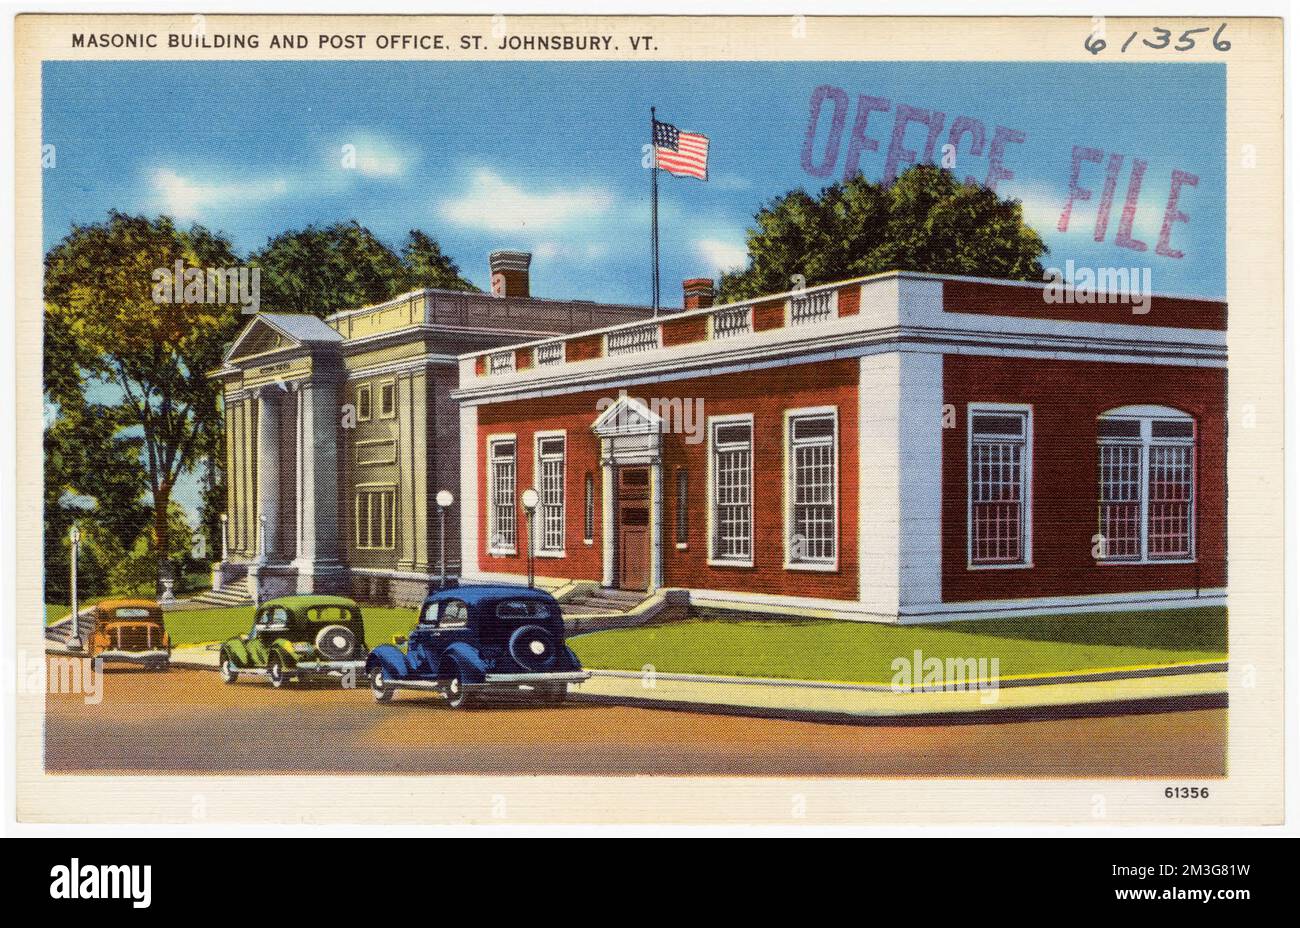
point(629, 432)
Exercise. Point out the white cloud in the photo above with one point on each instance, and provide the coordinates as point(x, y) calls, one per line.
point(187, 198)
point(722, 255)
point(494, 204)
point(374, 156)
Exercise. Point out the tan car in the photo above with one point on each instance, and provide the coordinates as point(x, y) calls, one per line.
point(127, 631)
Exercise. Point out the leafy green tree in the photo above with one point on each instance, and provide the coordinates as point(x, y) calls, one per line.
point(94, 476)
point(925, 221)
point(345, 265)
point(138, 362)
point(427, 266)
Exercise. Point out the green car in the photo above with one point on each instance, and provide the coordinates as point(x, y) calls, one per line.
point(298, 637)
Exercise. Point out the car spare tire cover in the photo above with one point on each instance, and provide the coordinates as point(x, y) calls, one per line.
point(336, 642)
point(533, 648)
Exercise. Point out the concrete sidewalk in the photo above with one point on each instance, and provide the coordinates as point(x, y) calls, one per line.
point(812, 698)
point(847, 700)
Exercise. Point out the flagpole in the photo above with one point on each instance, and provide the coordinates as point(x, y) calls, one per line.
point(654, 215)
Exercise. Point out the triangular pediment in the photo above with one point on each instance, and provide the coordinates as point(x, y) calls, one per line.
point(278, 332)
point(627, 416)
point(259, 337)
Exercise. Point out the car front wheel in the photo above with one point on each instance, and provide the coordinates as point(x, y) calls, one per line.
point(379, 687)
point(229, 672)
point(275, 670)
point(458, 696)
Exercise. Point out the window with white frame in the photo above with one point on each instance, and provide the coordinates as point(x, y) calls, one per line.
point(998, 500)
point(363, 402)
point(1146, 472)
point(683, 514)
point(550, 469)
point(733, 509)
point(387, 400)
point(501, 496)
point(588, 508)
point(375, 515)
point(812, 524)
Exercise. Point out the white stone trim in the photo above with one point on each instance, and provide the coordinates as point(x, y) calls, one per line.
point(470, 491)
point(920, 478)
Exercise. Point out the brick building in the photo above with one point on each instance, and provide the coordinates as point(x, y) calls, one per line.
point(904, 447)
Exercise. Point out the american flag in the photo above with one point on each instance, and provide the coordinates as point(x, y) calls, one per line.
point(685, 154)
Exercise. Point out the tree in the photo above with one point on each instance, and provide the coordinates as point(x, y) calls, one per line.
point(427, 266)
point(93, 475)
point(344, 266)
point(140, 362)
point(925, 221)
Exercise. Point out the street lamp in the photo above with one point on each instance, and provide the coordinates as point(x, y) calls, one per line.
point(529, 500)
point(225, 554)
point(444, 499)
point(74, 536)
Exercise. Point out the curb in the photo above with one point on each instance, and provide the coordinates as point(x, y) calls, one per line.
point(1102, 692)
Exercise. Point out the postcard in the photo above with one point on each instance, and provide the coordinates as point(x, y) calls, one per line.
point(612, 419)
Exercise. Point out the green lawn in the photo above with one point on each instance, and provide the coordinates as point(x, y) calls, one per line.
point(188, 626)
point(863, 652)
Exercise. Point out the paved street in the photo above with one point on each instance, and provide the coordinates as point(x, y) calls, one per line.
point(188, 721)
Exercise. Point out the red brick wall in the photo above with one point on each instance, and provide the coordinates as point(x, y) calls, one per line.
point(961, 296)
point(525, 419)
point(523, 359)
point(768, 315)
point(1067, 397)
point(583, 348)
point(848, 300)
point(766, 395)
point(683, 331)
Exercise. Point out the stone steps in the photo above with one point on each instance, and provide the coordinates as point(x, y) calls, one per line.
point(232, 597)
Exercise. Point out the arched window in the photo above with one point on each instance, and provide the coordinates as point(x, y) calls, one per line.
point(1147, 480)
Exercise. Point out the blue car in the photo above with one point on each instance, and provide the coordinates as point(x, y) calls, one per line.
point(472, 641)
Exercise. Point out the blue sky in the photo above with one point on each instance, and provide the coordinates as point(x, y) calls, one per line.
point(547, 157)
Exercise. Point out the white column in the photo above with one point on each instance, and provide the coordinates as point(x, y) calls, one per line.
point(607, 521)
point(268, 472)
point(300, 452)
point(470, 491)
point(920, 468)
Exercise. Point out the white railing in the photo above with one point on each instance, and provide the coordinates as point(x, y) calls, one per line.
point(627, 341)
point(811, 307)
point(503, 362)
point(738, 320)
point(550, 353)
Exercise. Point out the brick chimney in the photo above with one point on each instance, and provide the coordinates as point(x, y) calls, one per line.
point(509, 273)
point(697, 293)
